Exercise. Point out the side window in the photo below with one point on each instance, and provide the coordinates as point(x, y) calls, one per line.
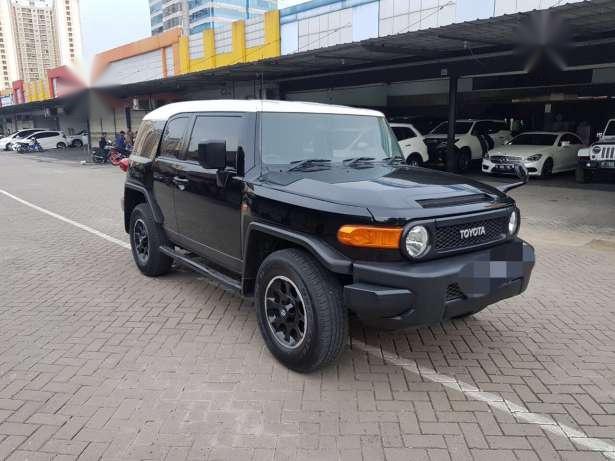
point(44, 135)
point(215, 128)
point(573, 140)
point(402, 133)
point(173, 136)
point(148, 139)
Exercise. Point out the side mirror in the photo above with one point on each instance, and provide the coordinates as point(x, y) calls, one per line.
point(212, 155)
point(599, 135)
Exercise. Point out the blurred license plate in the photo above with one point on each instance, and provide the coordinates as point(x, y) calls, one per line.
point(505, 167)
point(610, 164)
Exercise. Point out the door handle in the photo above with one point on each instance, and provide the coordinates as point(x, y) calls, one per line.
point(180, 181)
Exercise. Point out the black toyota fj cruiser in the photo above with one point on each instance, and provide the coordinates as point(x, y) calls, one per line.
point(310, 209)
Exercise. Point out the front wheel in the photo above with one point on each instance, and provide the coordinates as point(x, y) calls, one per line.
point(300, 311)
point(146, 237)
point(77, 143)
point(547, 168)
point(464, 160)
point(415, 160)
point(61, 145)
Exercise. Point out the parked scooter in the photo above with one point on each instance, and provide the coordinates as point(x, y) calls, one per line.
point(32, 146)
point(115, 155)
point(101, 156)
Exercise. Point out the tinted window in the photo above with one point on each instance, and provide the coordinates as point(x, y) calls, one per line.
point(402, 133)
point(148, 139)
point(173, 136)
point(47, 134)
point(215, 128)
point(534, 139)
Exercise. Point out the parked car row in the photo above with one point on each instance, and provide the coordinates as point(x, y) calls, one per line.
point(542, 153)
point(48, 139)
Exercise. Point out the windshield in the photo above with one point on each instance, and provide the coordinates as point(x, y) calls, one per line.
point(289, 138)
point(534, 139)
point(610, 129)
point(460, 128)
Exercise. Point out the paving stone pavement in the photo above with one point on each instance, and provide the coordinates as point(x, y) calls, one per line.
point(99, 362)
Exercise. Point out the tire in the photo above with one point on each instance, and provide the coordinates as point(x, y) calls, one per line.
point(582, 175)
point(464, 159)
point(317, 294)
point(547, 168)
point(61, 145)
point(154, 262)
point(77, 143)
point(9, 146)
point(415, 159)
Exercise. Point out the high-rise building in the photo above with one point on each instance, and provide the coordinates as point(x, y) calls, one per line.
point(194, 16)
point(37, 35)
point(9, 69)
point(69, 32)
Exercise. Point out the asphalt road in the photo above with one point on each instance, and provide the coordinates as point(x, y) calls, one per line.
point(97, 361)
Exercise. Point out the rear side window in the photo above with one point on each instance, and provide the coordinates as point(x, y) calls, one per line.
point(402, 133)
point(148, 138)
point(173, 137)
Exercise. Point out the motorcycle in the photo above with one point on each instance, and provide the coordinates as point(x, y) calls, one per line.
point(115, 155)
point(101, 156)
point(28, 147)
point(110, 153)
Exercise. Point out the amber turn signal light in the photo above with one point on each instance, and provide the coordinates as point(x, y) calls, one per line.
point(370, 236)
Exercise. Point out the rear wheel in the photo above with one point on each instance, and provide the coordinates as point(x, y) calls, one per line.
point(146, 237)
point(299, 310)
point(464, 159)
point(77, 143)
point(547, 168)
point(415, 159)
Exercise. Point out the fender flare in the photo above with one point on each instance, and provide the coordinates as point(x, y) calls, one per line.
point(149, 199)
point(328, 256)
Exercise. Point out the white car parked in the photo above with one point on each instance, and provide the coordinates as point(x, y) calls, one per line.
point(411, 142)
point(7, 142)
point(47, 140)
point(542, 153)
point(79, 139)
point(473, 138)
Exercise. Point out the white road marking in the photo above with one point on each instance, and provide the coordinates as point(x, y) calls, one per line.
point(67, 220)
point(495, 401)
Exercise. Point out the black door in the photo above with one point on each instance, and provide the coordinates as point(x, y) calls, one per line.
point(208, 205)
point(165, 169)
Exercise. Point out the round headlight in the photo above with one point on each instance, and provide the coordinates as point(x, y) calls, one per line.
point(513, 223)
point(596, 150)
point(417, 241)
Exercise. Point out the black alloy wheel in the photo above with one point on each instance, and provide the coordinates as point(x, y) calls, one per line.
point(141, 241)
point(286, 313)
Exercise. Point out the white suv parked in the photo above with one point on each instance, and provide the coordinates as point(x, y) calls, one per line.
point(473, 138)
point(47, 140)
point(411, 142)
point(600, 156)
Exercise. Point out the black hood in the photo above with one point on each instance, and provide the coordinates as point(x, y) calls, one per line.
point(389, 191)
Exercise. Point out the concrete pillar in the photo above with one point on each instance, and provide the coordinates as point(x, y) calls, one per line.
point(451, 154)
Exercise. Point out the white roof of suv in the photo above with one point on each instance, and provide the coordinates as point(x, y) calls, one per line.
point(254, 105)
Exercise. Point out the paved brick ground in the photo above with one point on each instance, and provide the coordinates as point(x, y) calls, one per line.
point(97, 361)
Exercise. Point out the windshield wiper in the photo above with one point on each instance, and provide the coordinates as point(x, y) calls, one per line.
point(300, 164)
point(354, 160)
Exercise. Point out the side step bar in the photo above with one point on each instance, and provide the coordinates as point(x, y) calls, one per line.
point(202, 269)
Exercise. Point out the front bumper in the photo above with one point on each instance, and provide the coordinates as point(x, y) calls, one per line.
point(603, 165)
point(401, 294)
point(533, 168)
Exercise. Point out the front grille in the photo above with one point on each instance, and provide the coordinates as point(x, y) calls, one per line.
point(608, 153)
point(454, 292)
point(448, 238)
point(504, 159)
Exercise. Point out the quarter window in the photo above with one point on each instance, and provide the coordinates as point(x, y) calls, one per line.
point(402, 133)
point(148, 139)
point(173, 135)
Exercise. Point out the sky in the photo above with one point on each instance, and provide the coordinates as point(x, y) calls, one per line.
point(110, 23)
point(106, 24)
